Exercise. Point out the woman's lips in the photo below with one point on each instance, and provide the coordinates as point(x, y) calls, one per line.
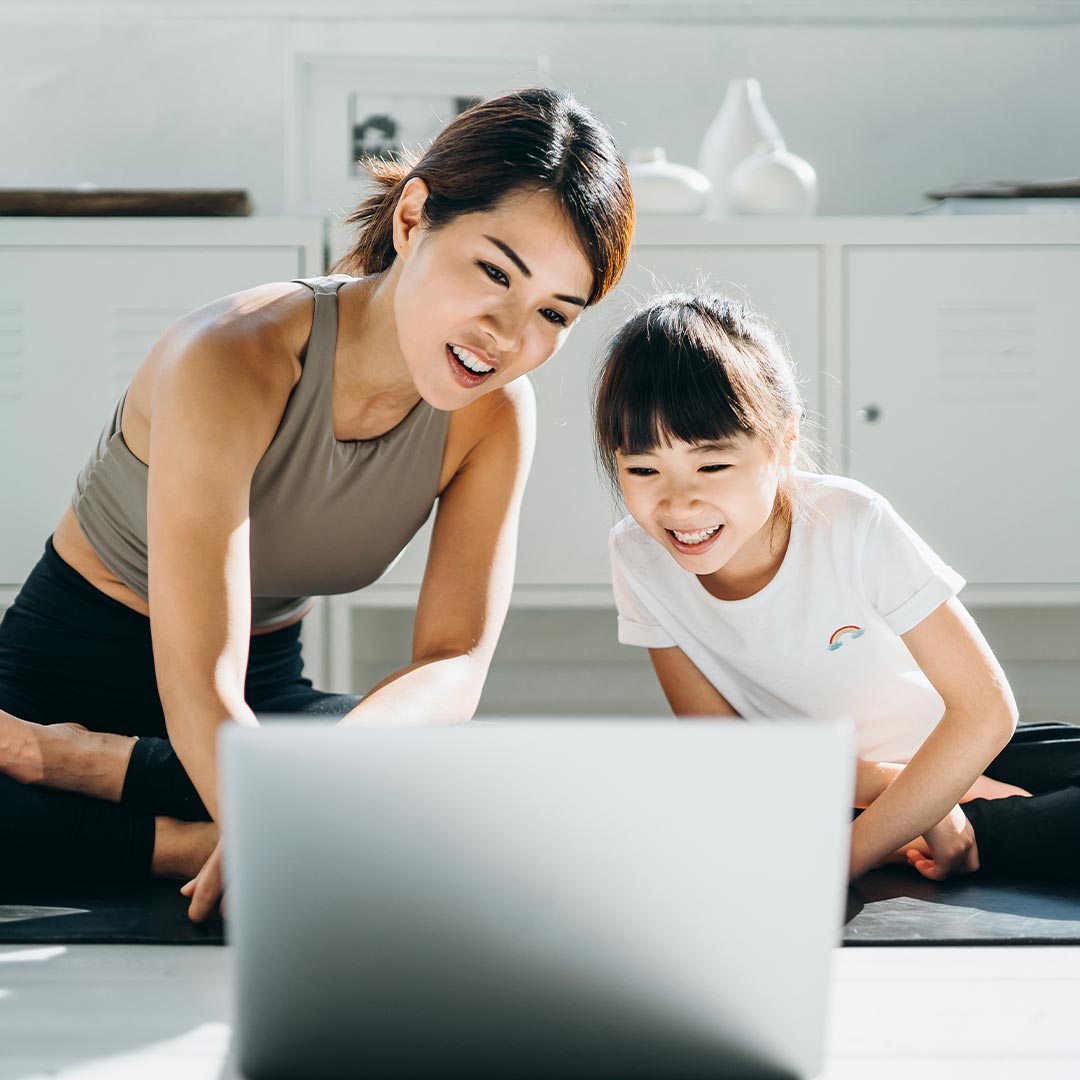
point(461, 373)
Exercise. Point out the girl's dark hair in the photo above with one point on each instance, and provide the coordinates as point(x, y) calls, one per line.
point(692, 367)
point(535, 138)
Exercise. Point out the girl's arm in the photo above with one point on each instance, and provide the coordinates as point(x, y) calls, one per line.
point(688, 692)
point(980, 717)
point(469, 574)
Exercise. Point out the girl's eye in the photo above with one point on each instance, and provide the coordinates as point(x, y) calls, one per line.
point(640, 470)
point(713, 468)
point(494, 273)
point(553, 316)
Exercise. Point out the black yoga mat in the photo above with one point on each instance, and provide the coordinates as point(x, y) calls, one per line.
point(895, 906)
point(150, 913)
point(887, 907)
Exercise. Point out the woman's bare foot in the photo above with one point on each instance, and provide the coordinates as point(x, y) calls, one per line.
point(182, 847)
point(64, 756)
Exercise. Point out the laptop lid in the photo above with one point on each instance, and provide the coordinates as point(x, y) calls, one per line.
point(535, 898)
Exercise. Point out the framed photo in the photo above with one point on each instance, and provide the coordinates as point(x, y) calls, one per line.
point(343, 107)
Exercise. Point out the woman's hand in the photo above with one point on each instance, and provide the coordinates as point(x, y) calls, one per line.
point(206, 888)
point(950, 848)
point(985, 788)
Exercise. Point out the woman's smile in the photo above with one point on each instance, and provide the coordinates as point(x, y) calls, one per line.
point(467, 368)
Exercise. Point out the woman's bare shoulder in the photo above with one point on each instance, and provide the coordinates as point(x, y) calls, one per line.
point(272, 322)
point(244, 348)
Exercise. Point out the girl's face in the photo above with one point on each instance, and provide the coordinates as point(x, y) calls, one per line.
point(709, 504)
point(486, 298)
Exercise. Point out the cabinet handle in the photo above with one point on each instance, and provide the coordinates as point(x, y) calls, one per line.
point(870, 413)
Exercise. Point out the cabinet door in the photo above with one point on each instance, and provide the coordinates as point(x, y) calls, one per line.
point(568, 509)
point(74, 324)
point(962, 383)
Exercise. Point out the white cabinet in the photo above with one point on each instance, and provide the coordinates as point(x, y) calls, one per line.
point(569, 507)
point(962, 378)
point(81, 302)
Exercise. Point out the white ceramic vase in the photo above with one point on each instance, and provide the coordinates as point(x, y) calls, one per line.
point(741, 125)
point(662, 187)
point(773, 180)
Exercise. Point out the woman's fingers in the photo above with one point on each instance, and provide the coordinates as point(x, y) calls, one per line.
point(206, 889)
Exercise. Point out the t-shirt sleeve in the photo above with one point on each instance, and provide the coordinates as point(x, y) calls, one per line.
point(636, 625)
point(902, 577)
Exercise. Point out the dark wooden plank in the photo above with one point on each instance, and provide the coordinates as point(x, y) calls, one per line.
point(124, 203)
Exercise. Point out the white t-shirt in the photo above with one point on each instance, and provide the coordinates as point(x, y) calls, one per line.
point(822, 639)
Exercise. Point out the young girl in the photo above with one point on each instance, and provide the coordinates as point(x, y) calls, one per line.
point(762, 589)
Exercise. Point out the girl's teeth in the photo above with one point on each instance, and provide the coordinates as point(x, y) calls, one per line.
point(476, 366)
point(695, 537)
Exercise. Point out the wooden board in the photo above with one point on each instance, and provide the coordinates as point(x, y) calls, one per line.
point(104, 202)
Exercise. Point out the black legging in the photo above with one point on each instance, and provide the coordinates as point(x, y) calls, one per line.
point(1037, 836)
point(70, 653)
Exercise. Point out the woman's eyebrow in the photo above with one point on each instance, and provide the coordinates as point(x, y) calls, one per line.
point(513, 256)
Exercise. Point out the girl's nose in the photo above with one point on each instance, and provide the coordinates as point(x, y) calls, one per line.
point(679, 500)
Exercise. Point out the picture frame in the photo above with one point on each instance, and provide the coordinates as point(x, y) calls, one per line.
point(343, 105)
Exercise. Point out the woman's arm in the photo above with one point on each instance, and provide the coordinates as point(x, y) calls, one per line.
point(979, 719)
point(469, 574)
point(218, 394)
point(688, 692)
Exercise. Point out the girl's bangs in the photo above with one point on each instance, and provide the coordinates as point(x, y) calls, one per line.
point(661, 400)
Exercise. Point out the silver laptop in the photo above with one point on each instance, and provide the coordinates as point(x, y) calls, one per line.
point(518, 898)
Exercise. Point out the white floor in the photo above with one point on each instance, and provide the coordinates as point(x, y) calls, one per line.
point(137, 1012)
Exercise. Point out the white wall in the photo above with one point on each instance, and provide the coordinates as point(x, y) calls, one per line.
point(884, 110)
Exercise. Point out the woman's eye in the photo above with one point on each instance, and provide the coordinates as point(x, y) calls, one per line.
point(713, 468)
point(553, 316)
point(495, 273)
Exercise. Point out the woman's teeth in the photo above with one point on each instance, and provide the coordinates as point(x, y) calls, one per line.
point(695, 537)
point(471, 361)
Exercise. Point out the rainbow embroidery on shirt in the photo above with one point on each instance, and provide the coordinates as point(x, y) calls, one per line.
point(845, 631)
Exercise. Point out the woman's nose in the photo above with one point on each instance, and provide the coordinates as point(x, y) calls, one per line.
point(504, 325)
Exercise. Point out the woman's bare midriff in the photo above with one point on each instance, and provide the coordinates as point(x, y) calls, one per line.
point(72, 546)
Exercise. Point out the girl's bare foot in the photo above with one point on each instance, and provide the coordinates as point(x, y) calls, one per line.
point(182, 847)
point(64, 756)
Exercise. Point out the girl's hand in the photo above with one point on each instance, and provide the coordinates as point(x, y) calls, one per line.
point(950, 848)
point(206, 888)
point(985, 788)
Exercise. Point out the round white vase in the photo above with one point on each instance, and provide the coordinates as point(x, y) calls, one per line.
point(741, 125)
point(662, 187)
point(773, 180)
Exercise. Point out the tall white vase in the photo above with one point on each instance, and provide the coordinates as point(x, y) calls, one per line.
point(741, 125)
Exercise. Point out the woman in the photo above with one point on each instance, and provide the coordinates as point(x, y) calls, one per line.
point(270, 448)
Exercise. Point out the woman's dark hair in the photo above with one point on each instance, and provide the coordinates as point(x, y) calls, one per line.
point(536, 138)
point(692, 367)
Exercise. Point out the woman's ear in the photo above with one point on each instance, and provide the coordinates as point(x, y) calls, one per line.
point(408, 215)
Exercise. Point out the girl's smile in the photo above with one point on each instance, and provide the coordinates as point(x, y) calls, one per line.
point(696, 542)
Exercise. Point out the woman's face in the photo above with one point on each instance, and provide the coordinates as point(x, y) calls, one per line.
point(486, 298)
